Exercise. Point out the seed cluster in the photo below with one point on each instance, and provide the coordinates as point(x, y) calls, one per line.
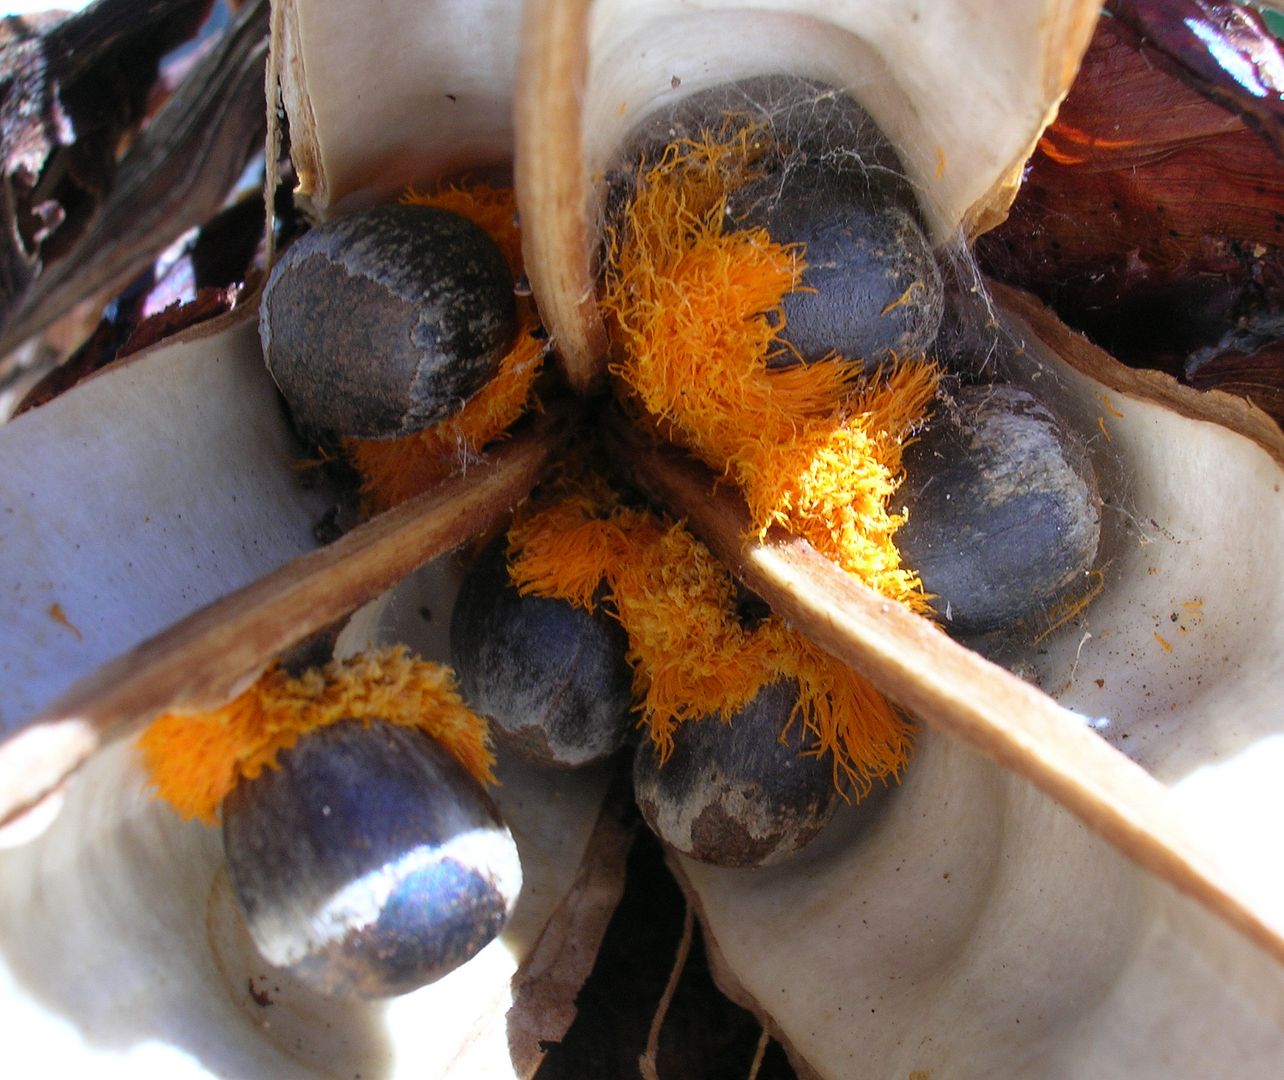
point(773, 311)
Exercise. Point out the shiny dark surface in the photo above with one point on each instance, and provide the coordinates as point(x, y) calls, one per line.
point(550, 675)
point(1004, 513)
point(358, 865)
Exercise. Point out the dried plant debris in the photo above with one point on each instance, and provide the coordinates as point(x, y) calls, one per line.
point(205, 275)
point(1150, 215)
point(75, 87)
point(1225, 51)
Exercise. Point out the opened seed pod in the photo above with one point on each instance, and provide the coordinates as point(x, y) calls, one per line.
point(182, 490)
point(1055, 954)
point(975, 927)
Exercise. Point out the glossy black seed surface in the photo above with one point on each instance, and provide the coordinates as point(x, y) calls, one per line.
point(386, 321)
point(1004, 513)
point(370, 863)
point(871, 288)
point(552, 677)
point(733, 794)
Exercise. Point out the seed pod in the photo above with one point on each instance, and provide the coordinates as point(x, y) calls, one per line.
point(871, 289)
point(1004, 513)
point(369, 863)
point(735, 793)
point(379, 324)
point(551, 676)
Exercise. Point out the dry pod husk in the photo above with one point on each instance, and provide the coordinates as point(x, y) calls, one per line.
point(975, 928)
point(178, 488)
point(952, 977)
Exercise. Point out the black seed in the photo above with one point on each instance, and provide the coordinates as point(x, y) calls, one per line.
point(871, 289)
point(735, 794)
point(831, 179)
point(1004, 513)
point(379, 324)
point(370, 862)
point(552, 677)
point(795, 119)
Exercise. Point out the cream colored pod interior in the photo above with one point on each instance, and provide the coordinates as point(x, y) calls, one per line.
point(973, 927)
point(167, 484)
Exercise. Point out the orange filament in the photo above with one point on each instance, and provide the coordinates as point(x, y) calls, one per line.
point(394, 470)
point(697, 313)
point(690, 654)
point(195, 760)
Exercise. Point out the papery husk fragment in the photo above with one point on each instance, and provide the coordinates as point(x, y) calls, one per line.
point(142, 908)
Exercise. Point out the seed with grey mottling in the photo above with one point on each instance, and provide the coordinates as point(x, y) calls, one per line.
point(551, 676)
point(735, 793)
point(871, 290)
point(1004, 514)
point(384, 322)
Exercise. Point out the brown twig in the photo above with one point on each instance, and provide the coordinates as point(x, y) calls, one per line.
point(647, 1062)
point(207, 658)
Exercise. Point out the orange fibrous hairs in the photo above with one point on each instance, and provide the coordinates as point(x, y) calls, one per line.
point(697, 312)
point(194, 760)
point(691, 656)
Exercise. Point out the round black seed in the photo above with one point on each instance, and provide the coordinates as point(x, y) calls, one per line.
point(871, 290)
point(370, 862)
point(552, 677)
point(386, 321)
point(735, 794)
point(1004, 513)
point(792, 119)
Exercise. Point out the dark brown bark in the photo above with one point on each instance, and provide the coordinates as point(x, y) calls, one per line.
point(173, 177)
point(70, 90)
point(1152, 214)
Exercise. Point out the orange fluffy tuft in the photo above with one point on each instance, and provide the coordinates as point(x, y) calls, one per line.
point(195, 760)
point(697, 313)
point(690, 654)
